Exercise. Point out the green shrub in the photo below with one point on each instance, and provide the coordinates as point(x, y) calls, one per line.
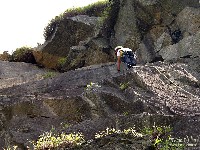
point(51, 27)
point(23, 54)
point(94, 9)
point(159, 137)
point(11, 148)
point(61, 62)
point(105, 13)
point(5, 56)
point(130, 131)
point(49, 75)
point(124, 86)
point(108, 17)
point(49, 140)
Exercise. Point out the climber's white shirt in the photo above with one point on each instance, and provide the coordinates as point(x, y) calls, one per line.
point(124, 50)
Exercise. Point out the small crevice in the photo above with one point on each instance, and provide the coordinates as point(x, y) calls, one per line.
point(187, 56)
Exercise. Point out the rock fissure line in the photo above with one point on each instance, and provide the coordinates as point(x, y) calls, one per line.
point(171, 82)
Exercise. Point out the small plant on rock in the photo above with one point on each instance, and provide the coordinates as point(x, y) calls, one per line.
point(49, 75)
point(65, 125)
point(62, 61)
point(124, 86)
point(129, 131)
point(92, 86)
point(49, 140)
point(150, 138)
point(159, 137)
point(11, 148)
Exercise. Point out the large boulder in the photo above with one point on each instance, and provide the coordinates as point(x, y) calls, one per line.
point(68, 33)
point(126, 32)
point(186, 48)
point(188, 20)
point(156, 39)
point(152, 43)
point(156, 24)
point(162, 11)
point(97, 51)
point(187, 51)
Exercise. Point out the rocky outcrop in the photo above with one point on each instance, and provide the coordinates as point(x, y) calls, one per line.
point(143, 26)
point(97, 51)
point(162, 11)
point(126, 31)
point(186, 48)
point(16, 73)
point(68, 47)
point(161, 37)
point(93, 95)
point(188, 21)
point(93, 98)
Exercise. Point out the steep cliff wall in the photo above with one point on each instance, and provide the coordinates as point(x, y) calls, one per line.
point(135, 24)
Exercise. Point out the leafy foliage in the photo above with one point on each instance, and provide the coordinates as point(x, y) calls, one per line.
point(49, 140)
point(157, 137)
point(160, 138)
point(92, 86)
point(61, 62)
point(49, 75)
point(5, 56)
point(108, 17)
point(130, 131)
point(23, 54)
point(11, 148)
point(124, 86)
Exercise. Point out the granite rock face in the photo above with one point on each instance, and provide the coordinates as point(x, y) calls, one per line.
point(93, 98)
point(90, 95)
point(188, 21)
point(17, 73)
point(160, 42)
point(188, 47)
point(68, 47)
point(126, 31)
point(144, 26)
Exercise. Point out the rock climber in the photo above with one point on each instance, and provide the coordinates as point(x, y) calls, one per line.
point(126, 56)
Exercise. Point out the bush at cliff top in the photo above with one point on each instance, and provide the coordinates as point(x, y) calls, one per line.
point(23, 54)
point(5, 56)
point(94, 9)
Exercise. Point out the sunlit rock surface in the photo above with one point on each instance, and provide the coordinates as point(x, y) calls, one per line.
point(96, 97)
